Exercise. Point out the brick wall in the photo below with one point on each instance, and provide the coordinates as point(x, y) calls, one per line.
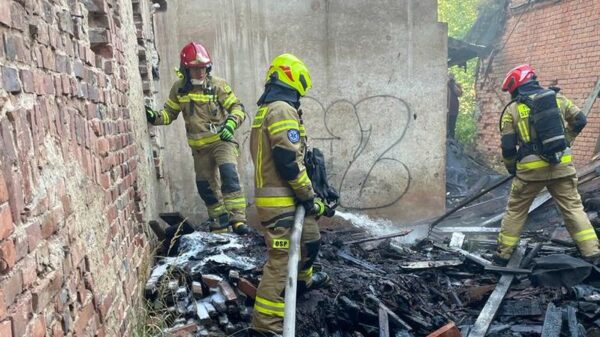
point(560, 40)
point(72, 243)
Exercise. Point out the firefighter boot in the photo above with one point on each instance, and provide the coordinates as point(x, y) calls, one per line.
point(319, 279)
point(593, 259)
point(499, 261)
point(220, 225)
point(240, 228)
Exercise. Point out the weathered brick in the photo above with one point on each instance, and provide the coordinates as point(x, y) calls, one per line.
point(37, 327)
point(6, 222)
point(85, 317)
point(3, 307)
point(65, 22)
point(47, 288)
point(102, 147)
point(27, 80)
point(48, 58)
point(29, 271)
point(10, 79)
point(48, 12)
point(50, 222)
point(18, 16)
point(8, 255)
point(79, 69)
point(20, 315)
point(61, 63)
point(11, 286)
point(5, 13)
point(3, 189)
point(6, 328)
point(39, 83)
point(57, 330)
point(97, 6)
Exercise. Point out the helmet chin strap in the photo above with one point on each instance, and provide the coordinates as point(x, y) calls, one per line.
point(198, 82)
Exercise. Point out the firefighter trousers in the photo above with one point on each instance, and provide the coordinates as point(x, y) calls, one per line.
point(269, 305)
point(218, 180)
point(565, 194)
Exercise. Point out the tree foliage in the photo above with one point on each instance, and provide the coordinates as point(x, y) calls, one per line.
point(460, 16)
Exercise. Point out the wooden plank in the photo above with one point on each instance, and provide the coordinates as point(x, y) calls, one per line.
point(475, 258)
point(572, 321)
point(399, 322)
point(552, 321)
point(384, 325)
point(507, 270)
point(359, 262)
point(430, 264)
point(477, 230)
point(487, 314)
point(589, 102)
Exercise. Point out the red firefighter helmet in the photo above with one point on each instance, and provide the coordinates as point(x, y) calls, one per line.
point(195, 55)
point(517, 76)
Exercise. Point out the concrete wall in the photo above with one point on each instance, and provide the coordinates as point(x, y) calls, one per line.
point(560, 40)
point(377, 107)
point(77, 180)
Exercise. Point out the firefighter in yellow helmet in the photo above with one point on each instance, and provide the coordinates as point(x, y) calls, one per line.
point(212, 113)
point(537, 127)
point(278, 145)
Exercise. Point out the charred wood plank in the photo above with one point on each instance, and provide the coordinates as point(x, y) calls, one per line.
point(571, 314)
point(392, 315)
point(490, 309)
point(384, 325)
point(430, 264)
point(552, 321)
point(470, 256)
point(508, 270)
point(359, 262)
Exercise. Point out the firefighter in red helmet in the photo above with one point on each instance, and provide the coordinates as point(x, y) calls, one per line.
point(538, 127)
point(212, 113)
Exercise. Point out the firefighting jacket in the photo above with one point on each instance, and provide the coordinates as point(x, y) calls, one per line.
point(517, 134)
point(278, 145)
point(205, 108)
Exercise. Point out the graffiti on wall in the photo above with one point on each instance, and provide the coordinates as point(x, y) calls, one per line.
point(358, 140)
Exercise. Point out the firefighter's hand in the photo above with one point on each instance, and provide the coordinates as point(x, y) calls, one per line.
point(321, 208)
point(512, 169)
point(150, 114)
point(227, 130)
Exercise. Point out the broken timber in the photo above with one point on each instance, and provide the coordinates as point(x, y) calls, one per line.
point(552, 321)
point(589, 102)
point(490, 309)
point(384, 325)
point(391, 315)
point(359, 262)
point(572, 321)
point(475, 258)
point(508, 270)
point(430, 264)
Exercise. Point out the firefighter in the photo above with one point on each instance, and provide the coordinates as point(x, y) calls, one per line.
point(278, 145)
point(531, 156)
point(212, 113)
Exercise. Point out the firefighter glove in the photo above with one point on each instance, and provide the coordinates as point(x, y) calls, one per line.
point(512, 169)
point(228, 129)
point(317, 207)
point(150, 114)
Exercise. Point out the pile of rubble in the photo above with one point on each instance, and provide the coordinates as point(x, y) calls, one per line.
point(442, 286)
point(204, 290)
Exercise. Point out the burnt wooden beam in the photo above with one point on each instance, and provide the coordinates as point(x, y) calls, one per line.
point(488, 313)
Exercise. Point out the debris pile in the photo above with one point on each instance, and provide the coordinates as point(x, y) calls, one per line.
point(441, 286)
point(204, 290)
